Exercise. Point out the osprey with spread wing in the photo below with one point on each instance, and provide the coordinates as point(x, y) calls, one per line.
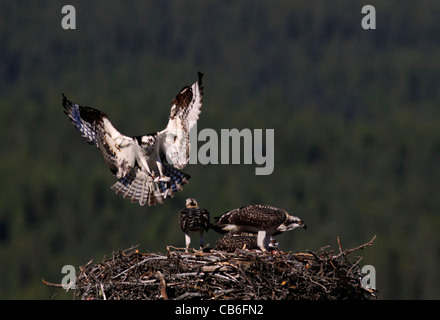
point(146, 166)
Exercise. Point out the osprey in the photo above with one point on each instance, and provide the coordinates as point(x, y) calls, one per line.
point(242, 240)
point(146, 166)
point(192, 219)
point(262, 219)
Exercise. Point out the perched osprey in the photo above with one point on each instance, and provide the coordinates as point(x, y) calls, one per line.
point(242, 240)
point(192, 219)
point(262, 219)
point(146, 166)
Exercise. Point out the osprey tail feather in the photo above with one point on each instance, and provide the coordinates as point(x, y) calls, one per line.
point(140, 187)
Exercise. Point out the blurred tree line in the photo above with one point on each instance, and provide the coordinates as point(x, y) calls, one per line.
point(356, 118)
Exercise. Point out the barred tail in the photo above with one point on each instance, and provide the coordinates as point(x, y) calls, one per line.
point(139, 186)
point(222, 224)
point(178, 179)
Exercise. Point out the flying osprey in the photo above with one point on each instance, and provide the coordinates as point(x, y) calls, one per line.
point(242, 240)
point(146, 166)
point(193, 218)
point(262, 219)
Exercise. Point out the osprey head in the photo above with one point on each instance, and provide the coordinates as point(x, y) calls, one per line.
point(191, 203)
point(291, 223)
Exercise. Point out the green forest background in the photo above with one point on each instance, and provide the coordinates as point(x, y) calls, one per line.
point(356, 117)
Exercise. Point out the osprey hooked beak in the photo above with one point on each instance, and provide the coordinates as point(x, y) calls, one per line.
point(302, 224)
point(295, 222)
point(291, 223)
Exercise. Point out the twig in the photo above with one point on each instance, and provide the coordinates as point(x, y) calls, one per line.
point(318, 284)
point(163, 285)
point(347, 251)
point(103, 292)
point(339, 245)
point(138, 264)
point(354, 265)
point(188, 295)
point(129, 249)
point(51, 284)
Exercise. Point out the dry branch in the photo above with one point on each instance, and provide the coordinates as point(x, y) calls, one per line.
point(244, 274)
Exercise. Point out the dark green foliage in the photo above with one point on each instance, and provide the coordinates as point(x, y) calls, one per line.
point(356, 118)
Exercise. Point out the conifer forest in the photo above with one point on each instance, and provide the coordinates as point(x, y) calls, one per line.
point(353, 103)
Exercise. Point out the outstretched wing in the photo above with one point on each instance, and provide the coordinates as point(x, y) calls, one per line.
point(84, 119)
point(118, 150)
point(185, 111)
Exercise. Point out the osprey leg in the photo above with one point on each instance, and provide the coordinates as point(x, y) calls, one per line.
point(262, 240)
point(162, 177)
point(201, 239)
point(187, 240)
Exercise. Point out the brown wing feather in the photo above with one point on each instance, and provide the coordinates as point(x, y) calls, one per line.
point(185, 111)
point(96, 128)
point(233, 241)
point(256, 215)
point(192, 219)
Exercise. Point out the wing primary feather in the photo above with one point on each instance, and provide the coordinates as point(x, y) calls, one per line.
point(185, 110)
point(84, 119)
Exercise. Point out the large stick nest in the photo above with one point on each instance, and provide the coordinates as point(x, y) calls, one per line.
point(244, 274)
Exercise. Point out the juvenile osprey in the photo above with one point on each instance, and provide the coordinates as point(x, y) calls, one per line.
point(242, 240)
point(257, 218)
point(192, 219)
point(146, 165)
